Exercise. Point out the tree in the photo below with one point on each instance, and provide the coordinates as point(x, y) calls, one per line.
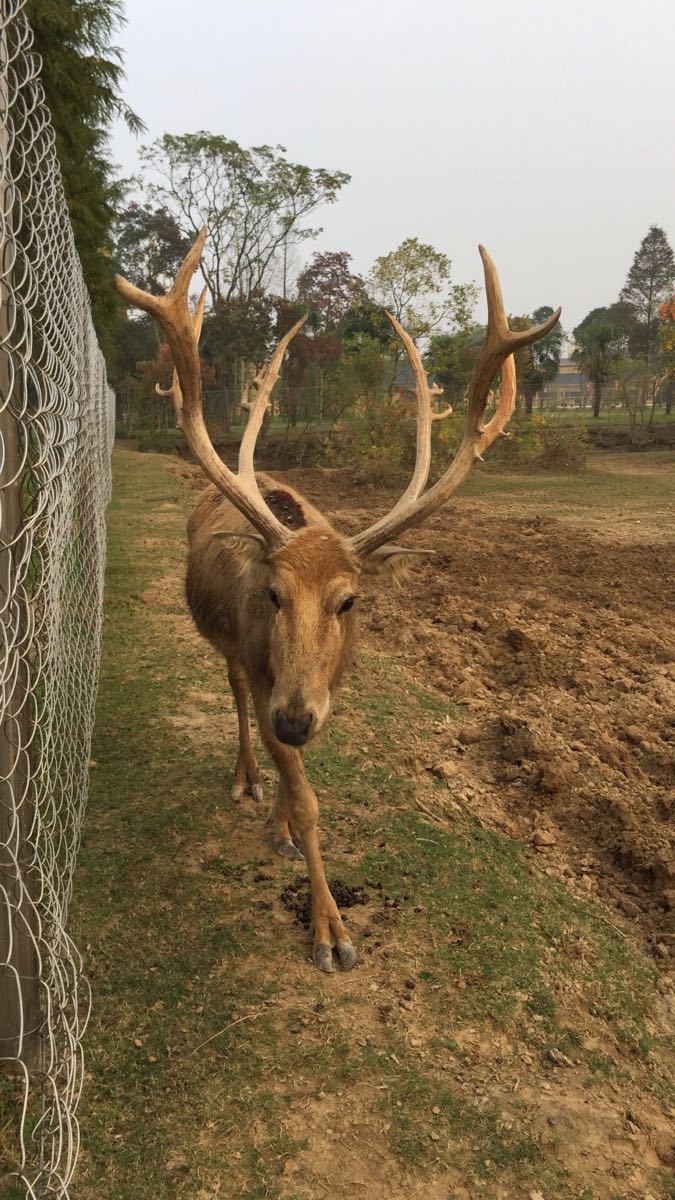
point(132, 341)
point(540, 361)
point(255, 203)
point(599, 343)
point(356, 377)
point(237, 337)
point(149, 246)
point(633, 378)
point(328, 287)
point(240, 329)
point(451, 358)
point(298, 356)
point(650, 281)
point(82, 75)
point(666, 351)
point(413, 284)
point(367, 321)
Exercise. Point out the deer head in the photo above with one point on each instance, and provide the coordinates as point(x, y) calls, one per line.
point(308, 578)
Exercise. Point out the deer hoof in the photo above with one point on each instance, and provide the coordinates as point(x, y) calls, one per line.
point(287, 849)
point(322, 957)
point(239, 790)
point(347, 955)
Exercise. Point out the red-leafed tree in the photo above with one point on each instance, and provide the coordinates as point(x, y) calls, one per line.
point(328, 287)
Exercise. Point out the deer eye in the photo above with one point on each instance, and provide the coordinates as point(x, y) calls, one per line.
point(347, 604)
point(274, 597)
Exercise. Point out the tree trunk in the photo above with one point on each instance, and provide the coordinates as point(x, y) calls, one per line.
point(597, 397)
point(220, 381)
point(321, 392)
point(656, 387)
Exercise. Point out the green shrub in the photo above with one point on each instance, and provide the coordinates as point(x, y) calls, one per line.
point(564, 448)
point(158, 441)
point(540, 441)
point(381, 445)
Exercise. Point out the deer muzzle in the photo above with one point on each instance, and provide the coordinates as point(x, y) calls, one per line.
point(291, 729)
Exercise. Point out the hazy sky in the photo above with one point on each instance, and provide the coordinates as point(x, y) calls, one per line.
point(544, 130)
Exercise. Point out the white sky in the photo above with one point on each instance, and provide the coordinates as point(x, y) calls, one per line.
point(544, 130)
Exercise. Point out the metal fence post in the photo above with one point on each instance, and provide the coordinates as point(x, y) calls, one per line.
point(19, 959)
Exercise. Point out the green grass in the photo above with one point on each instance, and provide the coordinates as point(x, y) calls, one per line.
point(208, 1022)
point(595, 490)
point(605, 486)
point(512, 943)
point(609, 417)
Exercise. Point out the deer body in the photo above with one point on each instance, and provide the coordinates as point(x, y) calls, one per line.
point(291, 672)
point(272, 585)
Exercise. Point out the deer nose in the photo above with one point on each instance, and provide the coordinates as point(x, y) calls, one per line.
point(294, 731)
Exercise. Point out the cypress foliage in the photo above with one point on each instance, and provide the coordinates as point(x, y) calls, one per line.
point(82, 76)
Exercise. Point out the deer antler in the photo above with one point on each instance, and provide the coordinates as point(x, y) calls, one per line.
point(264, 381)
point(497, 352)
point(174, 392)
point(172, 313)
point(425, 417)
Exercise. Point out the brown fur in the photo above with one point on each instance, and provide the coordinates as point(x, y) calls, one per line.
point(289, 659)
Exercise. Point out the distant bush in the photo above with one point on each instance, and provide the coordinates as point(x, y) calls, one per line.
point(158, 441)
point(381, 448)
point(539, 441)
point(377, 445)
point(564, 448)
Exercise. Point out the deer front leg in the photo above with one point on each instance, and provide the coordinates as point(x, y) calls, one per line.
point(327, 925)
point(300, 807)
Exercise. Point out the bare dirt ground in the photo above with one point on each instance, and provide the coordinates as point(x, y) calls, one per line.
point(557, 634)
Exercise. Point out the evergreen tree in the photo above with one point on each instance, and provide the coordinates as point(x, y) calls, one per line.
point(82, 78)
point(650, 282)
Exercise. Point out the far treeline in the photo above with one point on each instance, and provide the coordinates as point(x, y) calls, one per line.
point(345, 367)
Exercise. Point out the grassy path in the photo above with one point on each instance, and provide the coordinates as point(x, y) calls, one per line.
point(491, 1041)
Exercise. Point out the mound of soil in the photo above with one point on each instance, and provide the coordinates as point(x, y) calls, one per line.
point(558, 647)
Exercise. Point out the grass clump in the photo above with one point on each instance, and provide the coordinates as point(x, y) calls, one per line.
point(513, 943)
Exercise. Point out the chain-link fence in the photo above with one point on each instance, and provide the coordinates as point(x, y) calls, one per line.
point(56, 429)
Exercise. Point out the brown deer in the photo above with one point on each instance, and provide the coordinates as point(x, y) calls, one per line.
point(273, 586)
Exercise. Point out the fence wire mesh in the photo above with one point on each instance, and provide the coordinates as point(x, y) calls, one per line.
point(56, 430)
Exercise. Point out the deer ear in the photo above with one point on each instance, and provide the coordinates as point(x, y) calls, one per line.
point(392, 562)
point(252, 545)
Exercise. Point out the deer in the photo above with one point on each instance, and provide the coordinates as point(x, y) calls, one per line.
point(274, 587)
